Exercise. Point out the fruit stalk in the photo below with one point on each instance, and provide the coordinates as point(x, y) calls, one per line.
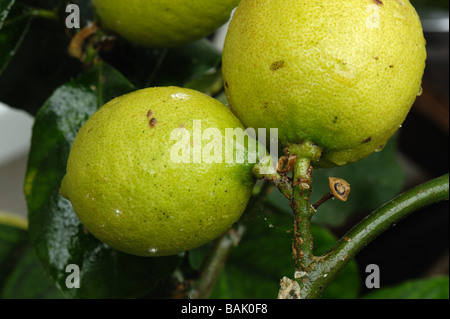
point(306, 153)
point(302, 247)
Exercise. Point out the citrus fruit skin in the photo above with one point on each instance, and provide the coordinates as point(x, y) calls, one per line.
point(341, 74)
point(163, 23)
point(128, 191)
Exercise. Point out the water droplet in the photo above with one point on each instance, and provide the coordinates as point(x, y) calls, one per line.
point(380, 148)
point(420, 91)
point(118, 212)
point(180, 96)
point(153, 251)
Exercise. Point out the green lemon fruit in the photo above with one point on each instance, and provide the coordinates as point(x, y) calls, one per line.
point(340, 74)
point(163, 23)
point(132, 187)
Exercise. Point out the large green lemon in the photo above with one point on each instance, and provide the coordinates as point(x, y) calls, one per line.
point(163, 23)
point(340, 74)
point(132, 187)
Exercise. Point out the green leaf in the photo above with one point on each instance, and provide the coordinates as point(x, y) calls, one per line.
point(28, 280)
point(44, 4)
point(55, 231)
point(374, 181)
point(5, 7)
point(185, 64)
point(12, 33)
point(39, 65)
point(210, 83)
point(431, 288)
point(264, 256)
point(179, 66)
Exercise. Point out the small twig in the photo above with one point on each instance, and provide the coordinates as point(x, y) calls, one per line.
point(324, 199)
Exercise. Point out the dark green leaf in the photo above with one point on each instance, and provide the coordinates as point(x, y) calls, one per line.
point(12, 34)
point(210, 83)
point(264, 256)
point(432, 288)
point(187, 63)
point(40, 64)
point(421, 5)
point(28, 281)
point(168, 67)
point(43, 4)
point(5, 7)
point(374, 181)
point(55, 230)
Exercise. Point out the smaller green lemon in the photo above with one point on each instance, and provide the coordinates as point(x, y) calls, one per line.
point(163, 23)
point(146, 173)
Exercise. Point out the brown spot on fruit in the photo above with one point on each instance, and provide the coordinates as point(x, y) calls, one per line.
point(153, 123)
point(149, 114)
point(391, 66)
point(367, 140)
point(277, 65)
point(378, 2)
point(226, 84)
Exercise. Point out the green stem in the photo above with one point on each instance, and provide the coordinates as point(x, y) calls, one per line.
point(302, 247)
point(325, 268)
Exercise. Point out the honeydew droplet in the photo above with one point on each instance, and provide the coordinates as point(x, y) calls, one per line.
point(380, 148)
point(420, 91)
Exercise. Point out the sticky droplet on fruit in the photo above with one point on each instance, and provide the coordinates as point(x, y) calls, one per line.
point(181, 96)
point(380, 148)
point(153, 251)
point(420, 91)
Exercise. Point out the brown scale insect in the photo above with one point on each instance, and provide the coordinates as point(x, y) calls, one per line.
point(339, 189)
